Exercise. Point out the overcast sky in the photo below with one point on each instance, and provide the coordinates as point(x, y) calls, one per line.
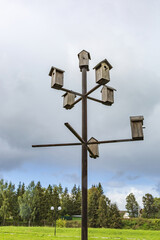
point(38, 34)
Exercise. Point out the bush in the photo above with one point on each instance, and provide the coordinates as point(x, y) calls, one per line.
point(73, 224)
point(141, 223)
point(61, 223)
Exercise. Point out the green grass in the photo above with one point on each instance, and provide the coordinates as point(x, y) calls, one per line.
point(47, 233)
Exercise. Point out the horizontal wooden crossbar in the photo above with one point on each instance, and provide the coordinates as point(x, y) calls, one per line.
point(88, 143)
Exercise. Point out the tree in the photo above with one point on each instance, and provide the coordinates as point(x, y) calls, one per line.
point(156, 205)
point(66, 203)
point(132, 205)
point(20, 189)
point(4, 201)
point(114, 218)
point(93, 204)
point(103, 211)
point(38, 204)
point(48, 195)
point(25, 207)
point(4, 210)
point(26, 203)
point(149, 208)
point(76, 200)
point(100, 189)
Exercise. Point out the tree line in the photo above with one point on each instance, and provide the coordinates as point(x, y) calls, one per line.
point(32, 204)
point(151, 206)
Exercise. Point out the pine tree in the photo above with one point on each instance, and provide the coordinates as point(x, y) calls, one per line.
point(66, 203)
point(38, 204)
point(76, 200)
point(103, 211)
point(48, 197)
point(115, 218)
point(93, 204)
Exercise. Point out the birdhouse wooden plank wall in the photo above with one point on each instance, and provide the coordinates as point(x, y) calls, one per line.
point(56, 77)
point(93, 148)
point(68, 100)
point(137, 127)
point(108, 95)
point(102, 72)
point(84, 57)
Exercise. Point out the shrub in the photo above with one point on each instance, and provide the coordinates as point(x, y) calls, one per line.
point(73, 224)
point(61, 223)
point(141, 223)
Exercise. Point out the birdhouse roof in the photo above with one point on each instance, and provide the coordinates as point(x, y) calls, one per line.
point(108, 88)
point(68, 93)
point(104, 61)
point(91, 140)
point(136, 118)
point(89, 56)
point(52, 69)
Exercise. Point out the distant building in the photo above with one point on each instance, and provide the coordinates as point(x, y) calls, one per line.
point(126, 215)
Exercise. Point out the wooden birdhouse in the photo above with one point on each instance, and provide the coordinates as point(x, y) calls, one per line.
point(137, 127)
point(56, 77)
point(108, 95)
point(102, 72)
point(68, 100)
point(93, 148)
point(84, 57)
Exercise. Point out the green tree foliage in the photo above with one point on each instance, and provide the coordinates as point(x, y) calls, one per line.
point(20, 190)
point(38, 214)
point(115, 220)
point(25, 201)
point(48, 193)
point(66, 203)
point(156, 205)
point(76, 200)
point(93, 204)
point(4, 201)
point(25, 208)
point(33, 203)
point(149, 208)
point(132, 205)
point(103, 211)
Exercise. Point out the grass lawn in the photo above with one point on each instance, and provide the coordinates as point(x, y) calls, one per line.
point(47, 233)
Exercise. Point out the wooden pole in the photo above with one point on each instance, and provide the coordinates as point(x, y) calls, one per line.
point(84, 228)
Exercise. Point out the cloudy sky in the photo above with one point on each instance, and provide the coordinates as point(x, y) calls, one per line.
point(35, 35)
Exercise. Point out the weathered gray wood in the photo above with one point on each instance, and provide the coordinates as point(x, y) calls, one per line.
point(93, 89)
point(56, 145)
point(107, 95)
point(102, 72)
point(84, 57)
point(56, 77)
point(137, 127)
point(93, 148)
point(94, 99)
point(79, 138)
point(91, 143)
point(68, 100)
point(67, 90)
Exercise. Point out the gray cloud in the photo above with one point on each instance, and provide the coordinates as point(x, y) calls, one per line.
point(132, 178)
